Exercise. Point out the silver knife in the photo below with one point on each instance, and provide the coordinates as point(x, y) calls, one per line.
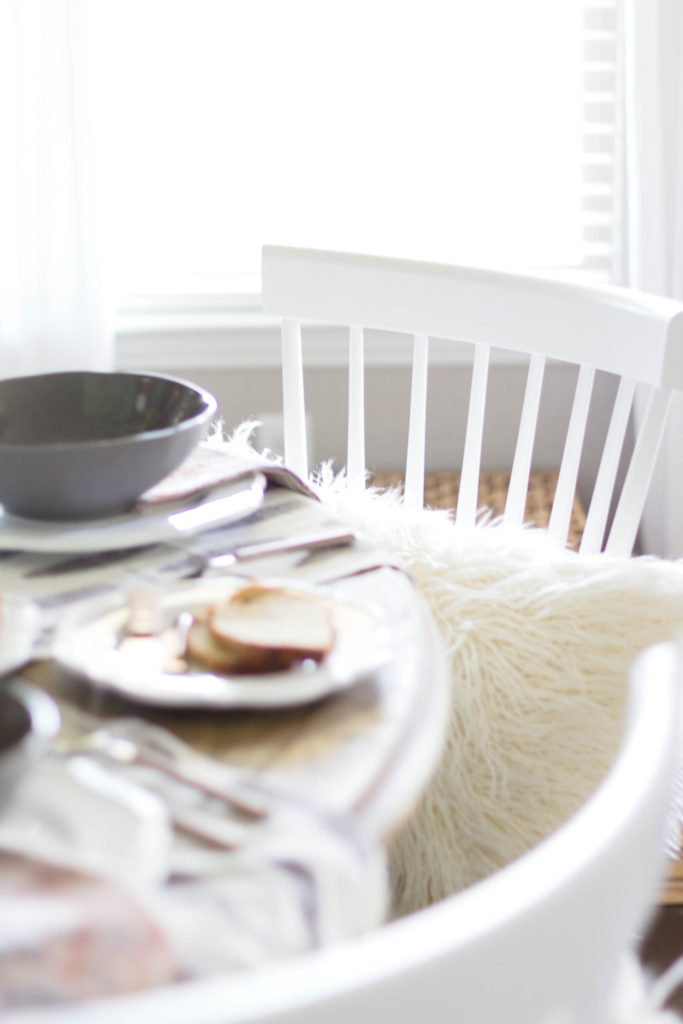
point(197, 562)
point(324, 539)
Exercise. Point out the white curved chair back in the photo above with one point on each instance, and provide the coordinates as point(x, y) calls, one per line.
point(637, 337)
point(539, 942)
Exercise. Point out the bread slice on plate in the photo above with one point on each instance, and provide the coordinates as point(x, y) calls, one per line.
point(262, 629)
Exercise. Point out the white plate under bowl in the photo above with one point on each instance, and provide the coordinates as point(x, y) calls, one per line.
point(165, 524)
point(19, 629)
point(86, 643)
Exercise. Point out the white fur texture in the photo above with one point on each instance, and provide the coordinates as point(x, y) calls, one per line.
point(539, 642)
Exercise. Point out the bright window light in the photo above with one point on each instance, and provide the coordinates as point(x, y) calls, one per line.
point(437, 129)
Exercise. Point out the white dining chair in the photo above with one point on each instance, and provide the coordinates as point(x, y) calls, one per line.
point(543, 941)
point(638, 338)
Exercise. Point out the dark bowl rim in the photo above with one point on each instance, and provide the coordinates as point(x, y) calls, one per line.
point(210, 403)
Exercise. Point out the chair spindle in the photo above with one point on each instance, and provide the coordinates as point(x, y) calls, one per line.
point(603, 489)
point(521, 466)
point(468, 493)
point(563, 502)
point(293, 402)
point(355, 456)
point(417, 427)
point(629, 511)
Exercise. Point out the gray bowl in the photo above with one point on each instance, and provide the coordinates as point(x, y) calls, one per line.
point(29, 722)
point(80, 444)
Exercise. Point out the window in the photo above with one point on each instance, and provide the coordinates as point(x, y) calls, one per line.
point(601, 139)
point(473, 132)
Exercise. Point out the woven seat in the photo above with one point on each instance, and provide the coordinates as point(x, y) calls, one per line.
point(441, 491)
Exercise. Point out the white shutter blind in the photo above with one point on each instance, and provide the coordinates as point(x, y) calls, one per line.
point(601, 141)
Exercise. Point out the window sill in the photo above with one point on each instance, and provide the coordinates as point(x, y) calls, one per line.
point(251, 341)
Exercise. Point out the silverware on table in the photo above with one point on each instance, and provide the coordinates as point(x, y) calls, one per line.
point(131, 741)
point(314, 541)
point(188, 564)
point(83, 562)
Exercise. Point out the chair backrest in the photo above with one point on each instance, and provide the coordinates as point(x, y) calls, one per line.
point(637, 337)
point(538, 942)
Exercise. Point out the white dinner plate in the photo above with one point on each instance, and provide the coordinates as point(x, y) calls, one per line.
point(165, 524)
point(19, 629)
point(87, 643)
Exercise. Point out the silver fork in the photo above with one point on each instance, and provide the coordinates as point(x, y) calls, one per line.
point(130, 741)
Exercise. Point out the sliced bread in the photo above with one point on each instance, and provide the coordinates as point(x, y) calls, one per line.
point(262, 629)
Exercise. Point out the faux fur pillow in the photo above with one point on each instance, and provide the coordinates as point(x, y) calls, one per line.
point(539, 641)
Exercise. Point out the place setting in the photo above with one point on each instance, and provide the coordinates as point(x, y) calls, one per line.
point(81, 454)
point(204, 681)
point(224, 644)
point(221, 587)
point(107, 485)
point(177, 591)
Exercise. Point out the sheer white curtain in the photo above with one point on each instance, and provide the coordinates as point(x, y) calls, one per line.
point(52, 300)
point(654, 194)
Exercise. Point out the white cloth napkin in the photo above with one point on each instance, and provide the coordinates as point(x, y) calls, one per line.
point(295, 880)
point(298, 883)
point(74, 813)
